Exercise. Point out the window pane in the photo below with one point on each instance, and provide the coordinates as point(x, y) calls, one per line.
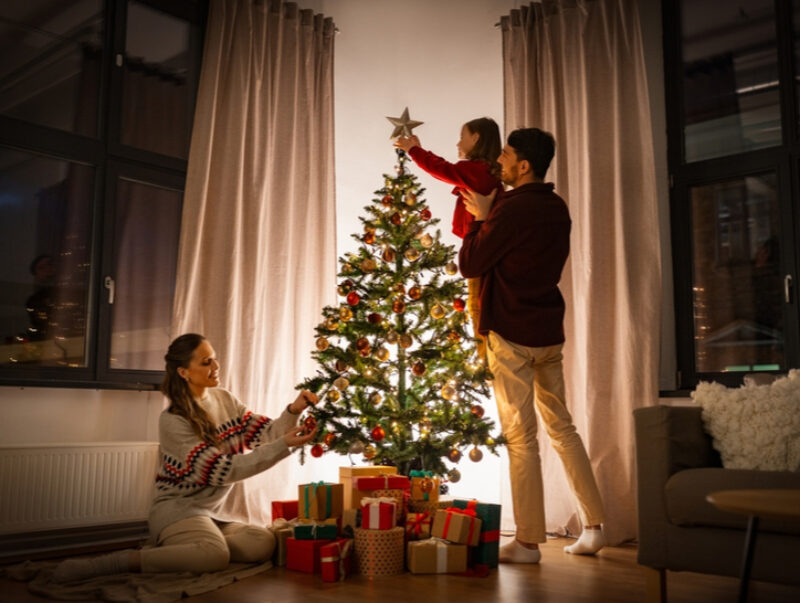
point(157, 99)
point(738, 289)
point(50, 70)
point(45, 230)
point(730, 77)
point(146, 234)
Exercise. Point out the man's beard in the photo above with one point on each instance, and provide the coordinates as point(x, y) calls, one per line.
point(509, 176)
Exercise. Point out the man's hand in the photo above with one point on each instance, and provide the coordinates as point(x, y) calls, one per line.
point(304, 399)
point(297, 436)
point(478, 205)
point(406, 143)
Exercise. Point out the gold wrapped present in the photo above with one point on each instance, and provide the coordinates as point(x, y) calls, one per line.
point(380, 552)
point(434, 556)
point(457, 525)
point(352, 496)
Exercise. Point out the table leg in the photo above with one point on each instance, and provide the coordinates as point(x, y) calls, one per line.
point(747, 559)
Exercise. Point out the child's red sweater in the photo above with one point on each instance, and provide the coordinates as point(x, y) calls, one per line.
point(472, 173)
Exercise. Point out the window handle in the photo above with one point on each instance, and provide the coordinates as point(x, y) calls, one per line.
point(787, 288)
point(109, 284)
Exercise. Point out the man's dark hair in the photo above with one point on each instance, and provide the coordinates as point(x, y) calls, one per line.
point(535, 146)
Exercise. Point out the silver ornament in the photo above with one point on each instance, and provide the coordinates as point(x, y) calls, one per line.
point(356, 447)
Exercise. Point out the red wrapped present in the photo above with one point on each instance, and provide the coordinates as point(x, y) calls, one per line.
point(381, 482)
point(352, 497)
point(336, 559)
point(286, 509)
point(457, 525)
point(378, 513)
point(418, 525)
point(303, 555)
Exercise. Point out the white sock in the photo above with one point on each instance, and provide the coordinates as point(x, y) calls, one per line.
point(514, 552)
point(72, 570)
point(589, 543)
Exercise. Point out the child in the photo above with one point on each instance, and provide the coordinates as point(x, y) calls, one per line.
point(478, 149)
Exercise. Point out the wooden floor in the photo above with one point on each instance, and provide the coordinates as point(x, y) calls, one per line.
point(612, 576)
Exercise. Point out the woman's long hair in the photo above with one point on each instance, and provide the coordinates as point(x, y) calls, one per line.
point(176, 388)
point(488, 146)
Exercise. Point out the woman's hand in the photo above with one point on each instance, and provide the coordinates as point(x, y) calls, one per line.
point(406, 143)
point(304, 399)
point(478, 205)
point(297, 436)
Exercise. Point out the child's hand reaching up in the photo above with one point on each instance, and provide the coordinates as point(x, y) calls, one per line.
point(406, 143)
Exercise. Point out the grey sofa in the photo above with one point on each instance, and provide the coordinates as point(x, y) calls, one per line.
point(678, 530)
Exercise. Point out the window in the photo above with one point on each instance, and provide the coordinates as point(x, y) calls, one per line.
point(96, 105)
point(734, 159)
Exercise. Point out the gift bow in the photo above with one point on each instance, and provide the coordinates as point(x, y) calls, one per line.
point(343, 551)
point(469, 512)
point(420, 473)
point(368, 501)
point(416, 524)
point(283, 524)
point(441, 551)
point(313, 487)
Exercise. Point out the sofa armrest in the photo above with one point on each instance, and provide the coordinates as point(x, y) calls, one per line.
point(668, 439)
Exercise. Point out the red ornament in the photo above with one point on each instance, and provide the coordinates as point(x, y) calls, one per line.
point(362, 343)
point(317, 450)
point(374, 318)
point(477, 410)
point(388, 255)
point(425, 214)
point(329, 439)
point(398, 306)
point(309, 424)
point(353, 298)
point(365, 352)
point(459, 304)
point(387, 200)
point(369, 238)
point(400, 288)
point(378, 433)
point(419, 368)
point(396, 218)
point(415, 292)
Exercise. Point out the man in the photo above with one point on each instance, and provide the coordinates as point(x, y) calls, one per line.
point(518, 246)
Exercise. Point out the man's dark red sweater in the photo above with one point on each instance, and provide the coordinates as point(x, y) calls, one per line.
point(472, 174)
point(519, 252)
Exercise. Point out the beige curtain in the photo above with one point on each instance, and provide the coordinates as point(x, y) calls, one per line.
point(257, 258)
point(576, 68)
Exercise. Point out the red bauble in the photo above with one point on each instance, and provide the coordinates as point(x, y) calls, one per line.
point(477, 410)
point(369, 238)
point(353, 298)
point(425, 214)
point(378, 433)
point(388, 255)
point(317, 450)
point(309, 424)
point(415, 292)
point(387, 200)
point(374, 318)
point(396, 218)
point(459, 304)
point(329, 439)
point(398, 306)
point(362, 343)
point(419, 368)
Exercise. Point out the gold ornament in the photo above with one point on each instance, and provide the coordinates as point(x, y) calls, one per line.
point(334, 395)
point(345, 313)
point(453, 337)
point(454, 455)
point(454, 475)
point(341, 383)
point(341, 366)
point(412, 254)
point(399, 288)
point(331, 323)
point(451, 268)
point(375, 398)
point(405, 341)
point(398, 306)
point(369, 238)
point(368, 265)
point(382, 354)
point(322, 344)
point(388, 255)
point(411, 198)
point(475, 455)
point(347, 268)
point(426, 241)
point(356, 447)
point(369, 451)
point(490, 441)
point(448, 392)
point(438, 311)
point(392, 337)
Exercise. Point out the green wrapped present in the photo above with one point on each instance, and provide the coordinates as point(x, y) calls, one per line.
point(488, 548)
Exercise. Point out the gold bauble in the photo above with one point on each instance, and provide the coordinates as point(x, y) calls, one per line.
point(451, 268)
point(399, 288)
point(405, 341)
point(334, 395)
point(426, 240)
point(347, 268)
point(475, 455)
point(490, 441)
point(412, 254)
point(438, 311)
point(398, 306)
point(345, 313)
point(448, 392)
point(382, 354)
point(375, 398)
point(368, 265)
point(411, 198)
point(322, 344)
point(388, 255)
point(369, 451)
point(392, 337)
point(369, 238)
point(331, 323)
point(454, 455)
point(341, 383)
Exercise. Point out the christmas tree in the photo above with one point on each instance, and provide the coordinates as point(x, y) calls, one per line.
point(400, 380)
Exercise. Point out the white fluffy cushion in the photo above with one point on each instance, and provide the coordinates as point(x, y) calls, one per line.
point(754, 426)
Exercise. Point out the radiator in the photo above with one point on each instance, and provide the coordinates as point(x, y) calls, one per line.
point(68, 486)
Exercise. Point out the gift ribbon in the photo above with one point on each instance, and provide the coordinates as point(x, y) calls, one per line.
point(423, 474)
point(490, 536)
point(374, 505)
point(343, 552)
point(468, 512)
point(313, 487)
point(421, 519)
point(441, 551)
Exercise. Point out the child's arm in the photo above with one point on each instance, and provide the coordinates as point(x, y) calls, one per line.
point(456, 174)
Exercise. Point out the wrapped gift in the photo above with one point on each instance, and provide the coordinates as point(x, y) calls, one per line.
point(303, 555)
point(380, 552)
point(423, 506)
point(488, 549)
point(281, 529)
point(381, 482)
point(320, 500)
point(284, 509)
point(424, 486)
point(399, 498)
point(378, 513)
point(352, 497)
point(457, 525)
point(351, 519)
point(317, 529)
point(435, 556)
point(418, 526)
point(336, 559)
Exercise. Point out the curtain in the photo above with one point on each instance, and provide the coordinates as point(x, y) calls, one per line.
point(576, 69)
point(257, 258)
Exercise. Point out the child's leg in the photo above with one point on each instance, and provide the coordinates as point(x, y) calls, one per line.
point(248, 544)
point(194, 544)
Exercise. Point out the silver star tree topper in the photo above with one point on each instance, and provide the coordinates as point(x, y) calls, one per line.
point(403, 124)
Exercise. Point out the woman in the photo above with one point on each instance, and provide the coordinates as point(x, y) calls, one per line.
point(202, 437)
